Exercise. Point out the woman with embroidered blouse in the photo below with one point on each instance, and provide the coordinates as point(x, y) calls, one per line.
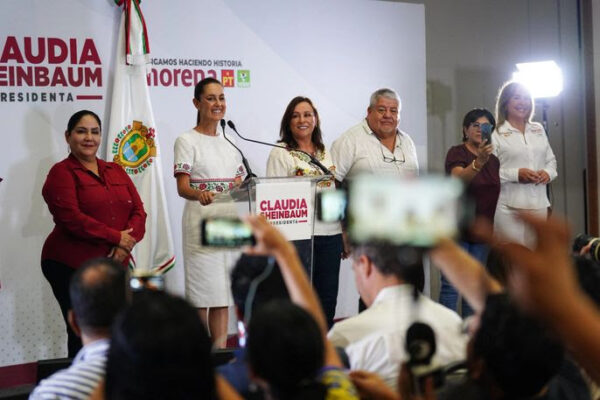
point(206, 164)
point(301, 130)
point(527, 163)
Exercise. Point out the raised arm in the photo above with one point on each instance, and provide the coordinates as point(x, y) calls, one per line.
point(464, 272)
point(457, 166)
point(271, 242)
point(543, 282)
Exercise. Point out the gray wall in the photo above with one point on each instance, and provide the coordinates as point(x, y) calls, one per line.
point(472, 48)
point(596, 61)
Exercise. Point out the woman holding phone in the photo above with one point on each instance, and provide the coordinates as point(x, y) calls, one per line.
point(473, 162)
point(527, 163)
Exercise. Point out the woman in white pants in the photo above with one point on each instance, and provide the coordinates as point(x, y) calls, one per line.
point(527, 163)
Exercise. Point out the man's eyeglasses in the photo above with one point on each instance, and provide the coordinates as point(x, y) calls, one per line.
point(392, 159)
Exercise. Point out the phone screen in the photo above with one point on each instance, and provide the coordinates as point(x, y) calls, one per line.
point(226, 232)
point(154, 282)
point(331, 205)
point(413, 212)
point(486, 132)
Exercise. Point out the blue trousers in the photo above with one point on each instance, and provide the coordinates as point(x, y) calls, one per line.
point(448, 294)
point(327, 255)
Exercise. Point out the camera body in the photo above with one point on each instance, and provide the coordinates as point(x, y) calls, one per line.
point(141, 279)
point(332, 205)
point(226, 232)
point(414, 212)
point(583, 240)
point(420, 345)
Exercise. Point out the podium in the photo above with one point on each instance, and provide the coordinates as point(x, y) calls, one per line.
point(287, 202)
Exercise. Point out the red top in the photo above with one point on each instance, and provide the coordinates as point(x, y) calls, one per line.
point(483, 189)
point(89, 211)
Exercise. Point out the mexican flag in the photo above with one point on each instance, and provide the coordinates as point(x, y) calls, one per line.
point(133, 139)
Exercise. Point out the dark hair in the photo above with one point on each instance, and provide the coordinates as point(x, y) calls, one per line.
point(520, 355)
point(404, 262)
point(588, 275)
point(498, 266)
point(199, 89)
point(285, 132)
point(473, 116)
point(98, 292)
point(249, 269)
point(159, 350)
point(286, 349)
point(75, 118)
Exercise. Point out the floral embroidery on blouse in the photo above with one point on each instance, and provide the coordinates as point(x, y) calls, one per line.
point(182, 168)
point(240, 171)
point(219, 185)
point(314, 170)
point(319, 155)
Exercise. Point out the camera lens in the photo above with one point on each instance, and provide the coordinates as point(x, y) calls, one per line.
point(581, 241)
point(595, 249)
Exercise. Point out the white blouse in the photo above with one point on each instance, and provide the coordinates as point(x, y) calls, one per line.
point(516, 150)
point(283, 163)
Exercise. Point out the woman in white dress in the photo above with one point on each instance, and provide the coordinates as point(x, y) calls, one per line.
point(206, 164)
point(527, 163)
point(300, 129)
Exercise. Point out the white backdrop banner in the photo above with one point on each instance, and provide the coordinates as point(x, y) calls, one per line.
point(57, 57)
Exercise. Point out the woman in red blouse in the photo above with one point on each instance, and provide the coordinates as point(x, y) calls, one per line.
point(96, 209)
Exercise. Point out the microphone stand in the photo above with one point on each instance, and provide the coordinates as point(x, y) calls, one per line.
point(249, 174)
point(313, 159)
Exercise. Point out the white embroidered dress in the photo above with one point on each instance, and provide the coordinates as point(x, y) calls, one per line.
point(212, 164)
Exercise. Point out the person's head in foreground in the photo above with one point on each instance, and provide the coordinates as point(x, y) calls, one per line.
point(159, 350)
point(286, 351)
point(98, 292)
point(255, 280)
point(511, 354)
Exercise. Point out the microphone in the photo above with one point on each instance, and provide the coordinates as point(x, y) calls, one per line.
point(420, 344)
point(313, 160)
point(249, 174)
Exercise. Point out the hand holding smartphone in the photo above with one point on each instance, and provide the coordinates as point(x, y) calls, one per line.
point(486, 132)
point(226, 232)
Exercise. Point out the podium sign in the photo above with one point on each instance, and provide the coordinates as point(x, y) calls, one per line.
point(288, 206)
